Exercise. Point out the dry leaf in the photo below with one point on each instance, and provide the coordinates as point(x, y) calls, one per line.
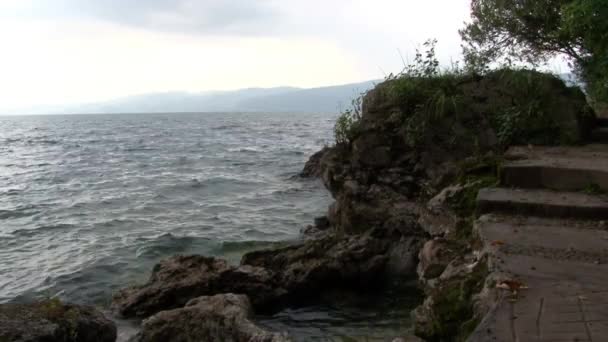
point(512, 285)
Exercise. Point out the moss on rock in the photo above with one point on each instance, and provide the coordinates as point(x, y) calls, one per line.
point(448, 313)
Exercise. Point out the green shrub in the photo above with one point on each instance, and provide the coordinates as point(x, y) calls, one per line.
point(453, 108)
point(347, 125)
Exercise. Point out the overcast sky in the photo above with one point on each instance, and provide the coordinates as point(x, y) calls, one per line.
point(73, 51)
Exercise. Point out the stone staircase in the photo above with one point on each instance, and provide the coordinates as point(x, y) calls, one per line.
point(546, 233)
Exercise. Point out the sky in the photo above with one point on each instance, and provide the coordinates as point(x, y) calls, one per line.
point(75, 51)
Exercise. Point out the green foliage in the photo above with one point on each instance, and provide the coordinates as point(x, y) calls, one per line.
point(55, 311)
point(532, 117)
point(429, 106)
point(532, 31)
point(526, 120)
point(593, 189)
point(453, 308)
point(425, 63)
point(586, 21)
point(425, 93)
point(519, 105)
point(347, 125)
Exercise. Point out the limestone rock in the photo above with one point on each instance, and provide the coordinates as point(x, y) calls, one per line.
point(324, 263)
point(52, 320)
point(312, 168)
point(177, 280)
point(218, 318)
point(434, 259)
point(274, 278)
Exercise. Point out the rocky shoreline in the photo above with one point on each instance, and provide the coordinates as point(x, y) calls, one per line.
point(402, 212)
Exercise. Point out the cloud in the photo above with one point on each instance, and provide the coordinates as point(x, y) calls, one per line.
point(213, 17)
point(97, 49)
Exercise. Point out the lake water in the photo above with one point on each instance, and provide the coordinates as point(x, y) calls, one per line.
point(89, 203)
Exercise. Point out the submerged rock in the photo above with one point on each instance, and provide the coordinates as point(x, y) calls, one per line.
point(223, 317)
point(52, 320)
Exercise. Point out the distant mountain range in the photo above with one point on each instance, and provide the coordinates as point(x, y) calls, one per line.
point(281, 99)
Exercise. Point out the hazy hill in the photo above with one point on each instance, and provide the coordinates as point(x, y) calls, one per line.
point(282, 99)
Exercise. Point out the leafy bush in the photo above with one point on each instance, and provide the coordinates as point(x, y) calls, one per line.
point(425, 93)
point(431, 106)
point(347, 125)
point(520, 105)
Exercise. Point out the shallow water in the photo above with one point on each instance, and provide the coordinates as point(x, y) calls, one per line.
point(88, 203)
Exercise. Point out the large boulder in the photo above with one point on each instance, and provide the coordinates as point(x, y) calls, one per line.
point(435, 256)
point(52, 320)
point(218, 318)
point(177, 280)
point(324, 263)
point(277, 277)
point(312, 168)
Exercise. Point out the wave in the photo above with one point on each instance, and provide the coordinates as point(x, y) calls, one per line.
point(43, 142)
point(246, 150)
point(226, 127)
point(42, 229)
point(19, 212)
point(200, 181)
point(9, 141)
point(238, 246)
point(166, 244)
point(140, 149)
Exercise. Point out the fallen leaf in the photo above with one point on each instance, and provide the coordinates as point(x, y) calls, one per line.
point(512, 285)
point(497, 243)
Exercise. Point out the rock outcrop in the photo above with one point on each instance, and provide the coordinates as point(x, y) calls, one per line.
point(223, 317)
point(274, 278)
point(415, 138)
point(52, 320)
point(312, 168)
point(177, 280)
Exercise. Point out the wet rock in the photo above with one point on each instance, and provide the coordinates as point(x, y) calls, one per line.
point(323, 264)
point(402, 257)
point(441, 201)
point(274, 278)
point(52, 320)
point(312, 168)
point(177, 280)
point(450, 304)
point(322, 223)
point(223, 317)
point(437, 224)
point(435, 257)
point(410, 338)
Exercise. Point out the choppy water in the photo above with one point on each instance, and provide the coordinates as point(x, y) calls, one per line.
point(88, 203)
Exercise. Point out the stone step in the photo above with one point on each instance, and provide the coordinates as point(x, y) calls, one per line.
point(543, 203)
point(600, 134)
point(557, 168)
point(566, 240)
point(561, 267)
point(560, 301)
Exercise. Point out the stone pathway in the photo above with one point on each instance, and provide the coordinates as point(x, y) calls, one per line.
point(550, 238)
